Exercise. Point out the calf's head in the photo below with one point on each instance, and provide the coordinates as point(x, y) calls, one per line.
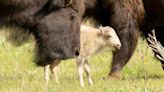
point(58, 36)
point(110, 37)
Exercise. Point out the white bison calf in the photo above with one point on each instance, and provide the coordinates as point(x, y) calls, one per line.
point(92, 41)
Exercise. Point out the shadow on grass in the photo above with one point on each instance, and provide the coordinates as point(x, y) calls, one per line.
point(147, 77)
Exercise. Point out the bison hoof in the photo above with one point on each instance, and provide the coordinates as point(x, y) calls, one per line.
point(112, 76)
point(115, 75)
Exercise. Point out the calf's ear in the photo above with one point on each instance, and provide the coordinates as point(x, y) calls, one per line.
point(101, 31)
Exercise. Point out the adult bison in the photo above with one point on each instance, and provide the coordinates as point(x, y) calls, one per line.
point(127, 17)
point(54, 23)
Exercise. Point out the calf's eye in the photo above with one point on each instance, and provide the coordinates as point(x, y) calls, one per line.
point(108, 36)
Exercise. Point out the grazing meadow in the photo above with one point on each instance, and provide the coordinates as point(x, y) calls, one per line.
point(18, 72)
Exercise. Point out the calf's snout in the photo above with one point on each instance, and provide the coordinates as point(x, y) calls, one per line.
point(117, 46)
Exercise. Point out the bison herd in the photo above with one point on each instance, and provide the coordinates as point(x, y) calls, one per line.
point(55, 25)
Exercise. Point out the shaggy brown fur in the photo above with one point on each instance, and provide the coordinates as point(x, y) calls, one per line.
point(126, 17)
point(54, 23)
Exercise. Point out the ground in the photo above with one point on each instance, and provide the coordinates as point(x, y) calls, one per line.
point(19, 74)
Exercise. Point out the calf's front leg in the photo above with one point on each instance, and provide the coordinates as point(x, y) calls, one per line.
point(46, 73)
point(53, 68)
point(80, 62)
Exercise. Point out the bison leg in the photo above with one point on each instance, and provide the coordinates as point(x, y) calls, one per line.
point(162, 62)
point(127, 27)
point(128, 38)
point(127, 32)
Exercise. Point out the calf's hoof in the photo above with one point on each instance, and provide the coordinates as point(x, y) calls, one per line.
point(90, 82)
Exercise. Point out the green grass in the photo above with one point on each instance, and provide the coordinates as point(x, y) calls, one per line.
point(19, 74)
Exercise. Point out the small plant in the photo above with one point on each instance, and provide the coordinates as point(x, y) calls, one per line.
point(156, 45)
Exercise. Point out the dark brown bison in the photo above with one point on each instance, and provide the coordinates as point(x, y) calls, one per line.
point(154, 19)
point(127, 17)
point(57, 36)
point(54, 23)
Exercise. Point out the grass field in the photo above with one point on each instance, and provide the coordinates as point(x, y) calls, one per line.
point(18, 73)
